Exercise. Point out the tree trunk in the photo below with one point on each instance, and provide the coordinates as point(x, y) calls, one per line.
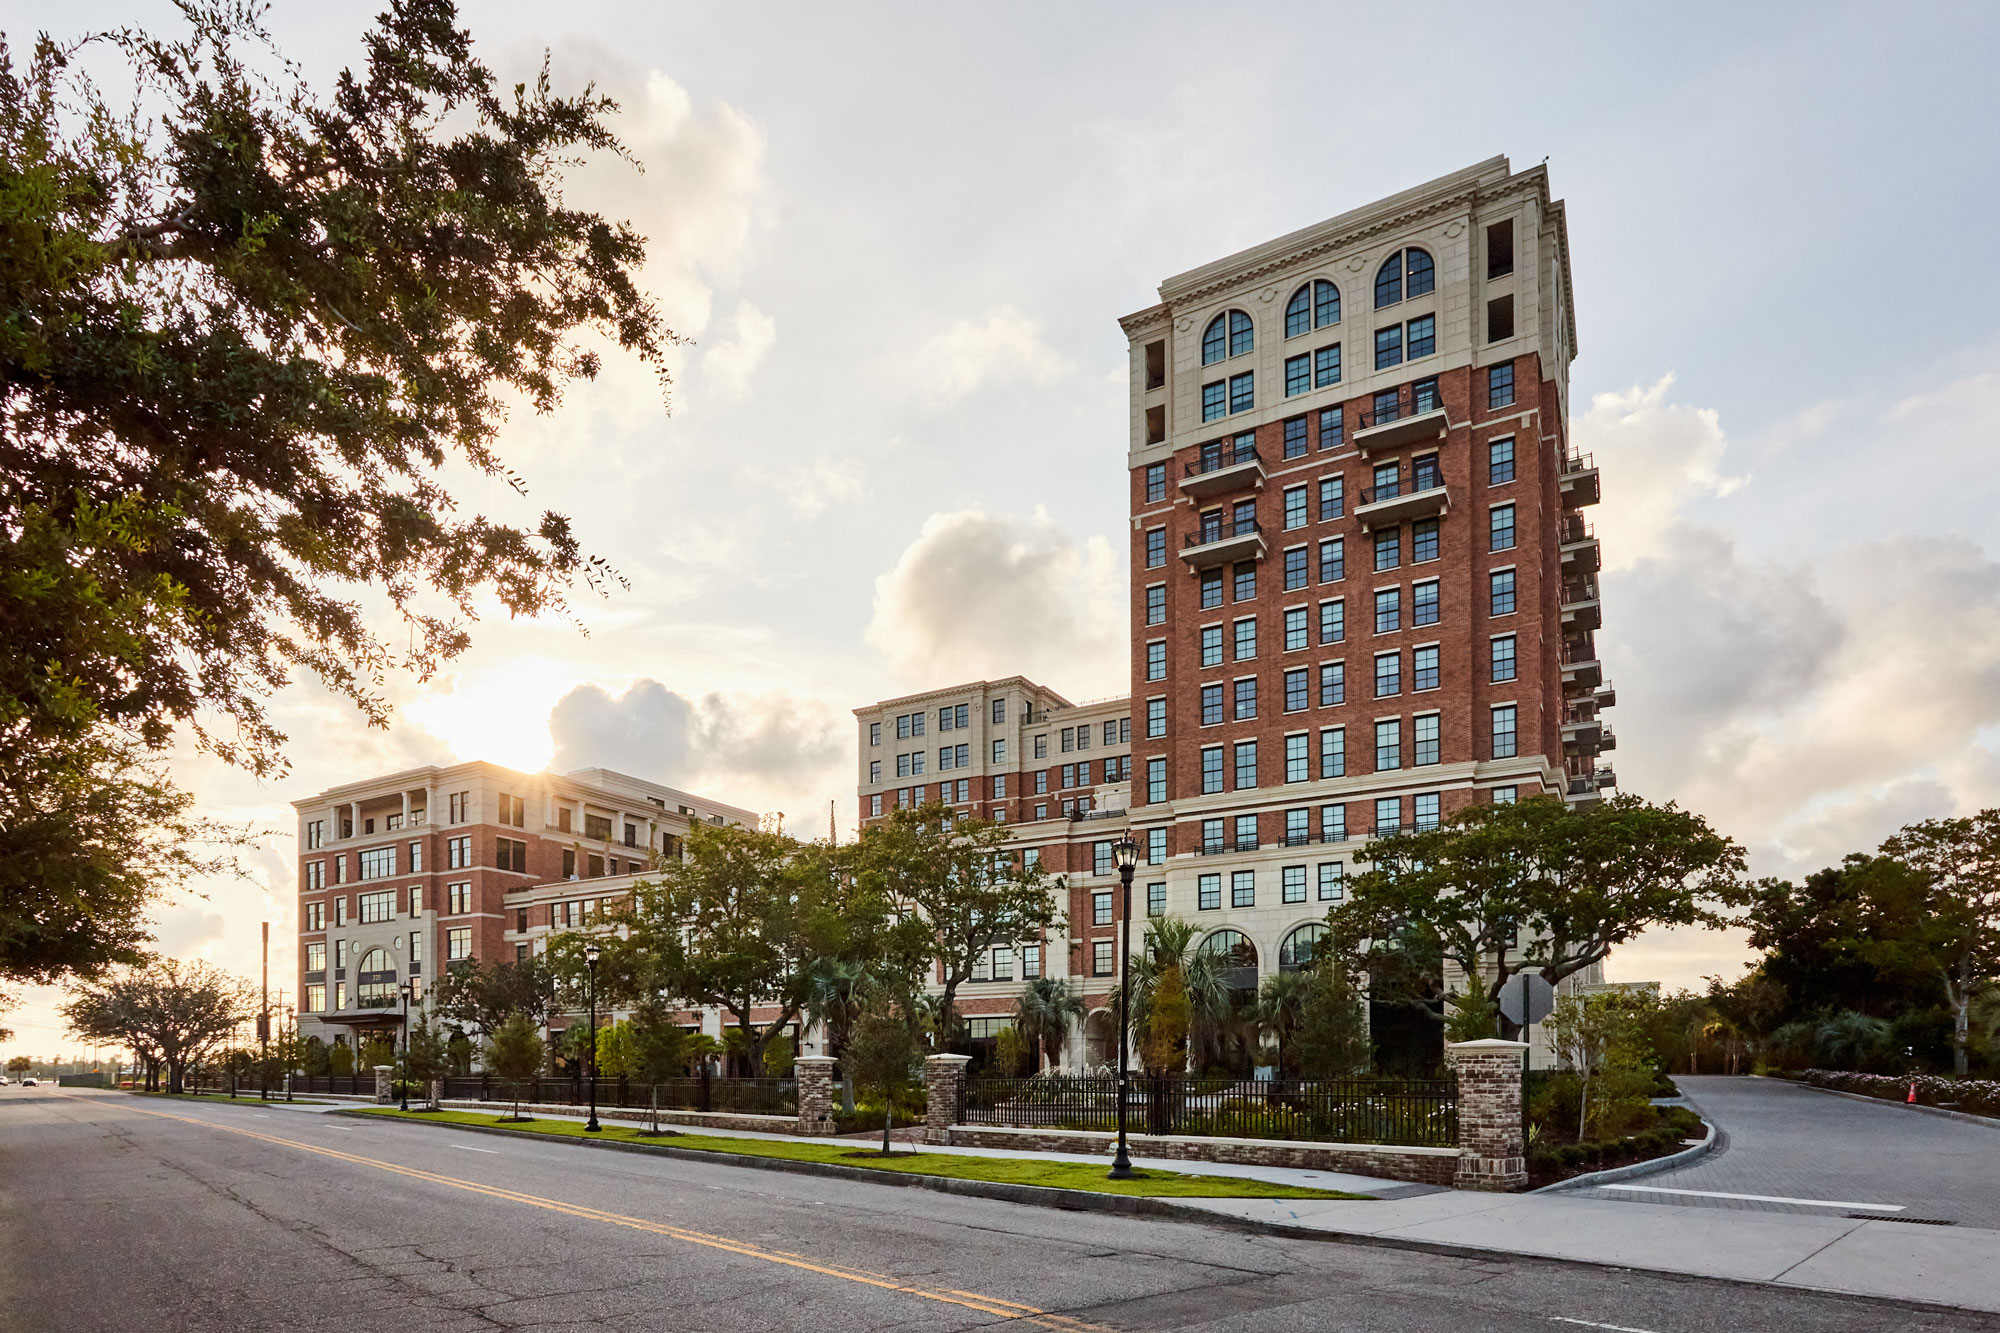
point(656, 1108)
point(888, 1117)
point(1961, 1015)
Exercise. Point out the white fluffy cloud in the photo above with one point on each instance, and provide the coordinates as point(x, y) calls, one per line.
point(732, 359)
point(1005, 347)
point(1664, 455)
point(979, 595)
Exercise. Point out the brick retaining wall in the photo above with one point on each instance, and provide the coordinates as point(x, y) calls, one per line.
point(766, 1124)
point(1424, 1166)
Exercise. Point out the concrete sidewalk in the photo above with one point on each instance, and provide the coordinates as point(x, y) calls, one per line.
point(1952, 1266)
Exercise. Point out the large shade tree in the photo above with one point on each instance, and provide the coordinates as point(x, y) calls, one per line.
point(1537, 886)
point(257, 345)
point(171, 1013)
point(1944, 917)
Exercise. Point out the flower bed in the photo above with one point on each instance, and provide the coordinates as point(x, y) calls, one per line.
point(1980, 1096)
point(1550, 1163)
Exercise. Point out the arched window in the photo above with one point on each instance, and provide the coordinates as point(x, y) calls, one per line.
point(1296, 953)
point(1313, 306)
point(1228, 335)
point(1406, 273)
point(1237, 956)
point(375, 980)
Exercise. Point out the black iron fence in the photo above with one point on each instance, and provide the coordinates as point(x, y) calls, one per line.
point(1408, 1112)
point(747, 1096)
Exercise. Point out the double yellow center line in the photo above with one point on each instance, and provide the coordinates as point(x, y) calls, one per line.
point(991, 1305)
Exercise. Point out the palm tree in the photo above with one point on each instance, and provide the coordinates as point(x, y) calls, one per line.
point(1281, 1006)
point(1043, 1014)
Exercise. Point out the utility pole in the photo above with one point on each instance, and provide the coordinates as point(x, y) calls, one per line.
point(832, 830)
point(264, 1022)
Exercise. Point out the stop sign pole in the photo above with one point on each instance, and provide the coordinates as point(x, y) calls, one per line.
point(1527, 998)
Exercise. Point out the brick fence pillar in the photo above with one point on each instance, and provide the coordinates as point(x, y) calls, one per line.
point(944, 1090)
point(1491, 1150)
point(382, 1084)
point(815, 1075)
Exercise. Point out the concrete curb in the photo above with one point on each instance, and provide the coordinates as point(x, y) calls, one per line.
point(1717, 1141)
point(1044, 1196)
point(1963, 1117)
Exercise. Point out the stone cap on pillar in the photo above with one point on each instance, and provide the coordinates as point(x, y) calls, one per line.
point(1486, 1046)
point(949, 1059)
point(383, 1069)
point(812, 1060)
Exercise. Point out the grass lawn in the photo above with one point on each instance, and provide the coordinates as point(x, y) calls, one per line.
point(847, 1152)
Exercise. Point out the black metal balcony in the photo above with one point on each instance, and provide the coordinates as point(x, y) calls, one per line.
point(1385, 506)
point(1221, 470)
point(1222, 543)
point(1415, 413)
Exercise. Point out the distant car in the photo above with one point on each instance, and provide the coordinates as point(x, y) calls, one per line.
point(29, 1082)
point(3, 1080)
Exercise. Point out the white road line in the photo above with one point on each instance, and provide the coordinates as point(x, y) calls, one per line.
point(1592, 1323)
point(1758, 1198)
point(466, 1148)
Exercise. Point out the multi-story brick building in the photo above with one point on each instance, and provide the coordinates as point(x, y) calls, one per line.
point(1363, 594)
point(401, 875)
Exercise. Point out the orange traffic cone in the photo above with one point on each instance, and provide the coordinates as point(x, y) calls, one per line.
point(1912, 1098)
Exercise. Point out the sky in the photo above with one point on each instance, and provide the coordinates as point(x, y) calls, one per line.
point(897, 239)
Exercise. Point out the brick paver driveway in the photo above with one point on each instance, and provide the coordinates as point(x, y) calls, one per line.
point(1791, 1142)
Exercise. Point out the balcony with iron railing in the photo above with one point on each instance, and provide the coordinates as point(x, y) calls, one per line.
point(1386, 506)
point(1581, 671)
point(1223, 542)
point(1578, 479)
point(1579, 546)
point(1581, 610)
point(1414, 414)
point(1222, 469)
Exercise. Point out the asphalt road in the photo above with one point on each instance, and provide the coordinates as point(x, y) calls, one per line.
point(118, 1214)
point(1795, 1149)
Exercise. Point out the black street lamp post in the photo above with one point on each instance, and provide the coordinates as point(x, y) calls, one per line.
point(404, 991)
point(590, 984)
point(1127, 853)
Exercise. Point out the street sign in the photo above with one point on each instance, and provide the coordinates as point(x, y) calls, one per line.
point(1526, 998)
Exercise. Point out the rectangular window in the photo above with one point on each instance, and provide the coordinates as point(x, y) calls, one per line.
point(1424, 667)
point(1156, 718)
point(1211, 645)
point(1242, 395)
point(1295, 438)
point(1208, 893)
point(1156, 660)
point(1211, 836)
point(1243, 888)
point(1295, 507)
point(458, 899)
point(1506, 795)
point(1500, 528)
point(1246, 765)
point(1388, 610)
point(1297, 635)
point(1423, 540)
point(1333, 823)
point(1332, 684)
point(1100, 909)
point(1298, 374)
point(944, 764)
point(1503, 658)
point(1100, 958)
point(1156, 899)
point(1211, 589)
point(1211, 769)
point(1246, 833)
point(1500, 379)
point(1042, 743)
point(1389, 347)
point(1296, 570)
point(1298, 757)
point(1298, 692)
point(1388, 744)
point(1500, 461)
point(458, 853)
point(1333, 620)
point(1425, 809)
point(1499, 248)
point(1156, 847)
point(1332, 428)
point(1502, 588)
point(1333, 560)
point(1332, 498)
point(916, 763)
point(1326, 367)
point(1388, 549)
point(1333, 752)
point(1425, 475)
point(999, 711)
point(1503, 732)
point(339, 995)
point(1156, 604)
point(316, 957)
point(1214, 401)
point(1424, 602)
point(315, 834)
point(1156, 547)
point(1423, 336)
point(1246, 699)
point(1389, 815)
point(1294, 884)
point(458, 944)
point(378, 907)
point(1068, 775)
point(874, 810)
point(340, 868)
point(416, 900)
point(999, 782)
point(1211, 705)
point(1156, 488)
point(1424, 738)
point(1246, 580)
point(1298, 829)
point(1330, 887)
point(315, 876)
point(378, 862)
point(315, 916)
point(1156, 781)
point(457, 805)
point(1000, 751)
point(316, 999)
point(1388, 675)
point(1246, 640)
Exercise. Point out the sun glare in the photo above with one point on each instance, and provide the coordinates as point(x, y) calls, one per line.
point(500, 713)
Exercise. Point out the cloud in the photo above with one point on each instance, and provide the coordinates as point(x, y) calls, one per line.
point(763, 751)
point(813, 487)
point(730, 361)
point(1666, 455)
point(1005, 348)
point(979, 596)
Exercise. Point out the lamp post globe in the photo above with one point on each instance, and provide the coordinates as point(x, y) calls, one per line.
point(1126, 853)
point(590, 952)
